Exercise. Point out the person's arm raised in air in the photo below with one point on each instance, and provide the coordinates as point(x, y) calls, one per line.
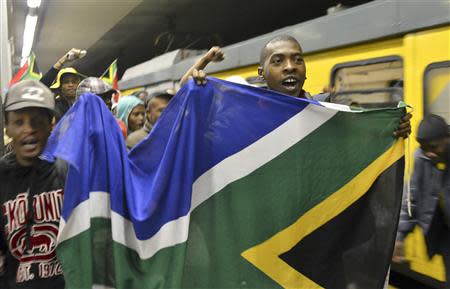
point(51, 74)
point(215, 54)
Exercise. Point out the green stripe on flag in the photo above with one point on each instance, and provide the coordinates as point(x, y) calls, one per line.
point(102, 261)
point(94, 254)
point(236, 218)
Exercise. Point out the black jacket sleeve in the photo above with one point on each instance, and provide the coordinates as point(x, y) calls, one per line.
point(50, 76)
point(3, 248)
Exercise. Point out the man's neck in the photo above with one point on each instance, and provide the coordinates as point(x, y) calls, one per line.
point(303, 94)
point(25, 162)
point(69, 100)
point(148, 126)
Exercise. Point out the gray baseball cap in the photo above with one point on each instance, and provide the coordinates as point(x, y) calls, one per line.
point(29, 93)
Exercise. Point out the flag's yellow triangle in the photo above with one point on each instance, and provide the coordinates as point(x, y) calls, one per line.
point(265, 256)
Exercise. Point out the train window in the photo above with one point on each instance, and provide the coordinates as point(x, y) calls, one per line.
point(374, 73)
point(369, 83)
point(437, 89)
point(369, 98)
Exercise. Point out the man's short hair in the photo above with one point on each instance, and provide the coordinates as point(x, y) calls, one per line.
point(160, 95)
point(279, 38)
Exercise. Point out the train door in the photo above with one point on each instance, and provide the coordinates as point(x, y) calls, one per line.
point(427, 76)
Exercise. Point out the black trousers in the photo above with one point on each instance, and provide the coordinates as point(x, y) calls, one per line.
point(445, 251)
point(438, 242)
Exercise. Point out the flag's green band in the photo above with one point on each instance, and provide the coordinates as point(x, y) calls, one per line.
point(265, 256)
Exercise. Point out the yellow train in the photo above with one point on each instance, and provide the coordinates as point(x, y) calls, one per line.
point(374, 53)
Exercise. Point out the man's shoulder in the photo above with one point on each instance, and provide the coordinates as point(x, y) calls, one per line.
point(420, 157)
point(136, 137)
point(7, 162)
point(324, 96)
point(138, 134)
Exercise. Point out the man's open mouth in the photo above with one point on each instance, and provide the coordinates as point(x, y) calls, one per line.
point(290, 83)
point(29, 143)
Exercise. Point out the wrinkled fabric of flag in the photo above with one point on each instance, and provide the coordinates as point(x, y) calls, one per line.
point(179, 210)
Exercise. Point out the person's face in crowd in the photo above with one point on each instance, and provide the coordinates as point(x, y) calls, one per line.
point(143, 95)
point(69, 84)
point(155, 107)
point(29, 129)
point(437, 149)
point(106, 97)
point(284, 69)
point(136, 118)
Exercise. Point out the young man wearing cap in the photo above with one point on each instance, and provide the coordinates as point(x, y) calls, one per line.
point(104, 91)
point(31, 192)
point(65, 86)
point(430, 192)
point(98, 87)
point(64, 81)
point(70, 56)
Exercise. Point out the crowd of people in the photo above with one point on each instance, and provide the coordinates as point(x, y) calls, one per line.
point(32, 189)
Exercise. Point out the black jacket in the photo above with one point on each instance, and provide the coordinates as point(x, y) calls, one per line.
point(430, 197)
point(62, 105)
point(49, 77)
point(28, 238)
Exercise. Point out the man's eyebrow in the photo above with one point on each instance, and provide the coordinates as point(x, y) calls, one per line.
point(277, 55)
point(283, 54)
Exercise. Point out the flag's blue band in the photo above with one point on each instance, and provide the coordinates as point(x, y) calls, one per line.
point(152, 186)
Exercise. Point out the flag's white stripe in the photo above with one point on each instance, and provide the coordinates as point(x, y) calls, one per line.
point(257, 154)
point(227, 171)
point(97, 206)
point(171, 233)
point(97, 286)
point(340, 107)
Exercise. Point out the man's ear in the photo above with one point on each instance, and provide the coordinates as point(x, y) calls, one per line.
point(260, 71)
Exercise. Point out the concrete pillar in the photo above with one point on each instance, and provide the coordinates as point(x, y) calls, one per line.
point(5, 62)
point(5, 49)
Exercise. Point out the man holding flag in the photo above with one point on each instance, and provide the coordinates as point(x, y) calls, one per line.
point(234, 187)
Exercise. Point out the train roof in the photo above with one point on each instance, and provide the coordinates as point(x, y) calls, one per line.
point(370, 21)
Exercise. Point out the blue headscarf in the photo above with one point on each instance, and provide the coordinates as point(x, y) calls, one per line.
point(125, 106)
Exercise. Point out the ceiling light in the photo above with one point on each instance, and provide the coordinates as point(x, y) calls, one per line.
point(28, 35)
point(34, 3)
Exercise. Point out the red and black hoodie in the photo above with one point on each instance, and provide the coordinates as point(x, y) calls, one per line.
point(28, 237)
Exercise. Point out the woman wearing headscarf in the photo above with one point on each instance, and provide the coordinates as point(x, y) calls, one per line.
point(131, 111)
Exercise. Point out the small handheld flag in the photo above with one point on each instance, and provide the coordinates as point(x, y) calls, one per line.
point(28, 71)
